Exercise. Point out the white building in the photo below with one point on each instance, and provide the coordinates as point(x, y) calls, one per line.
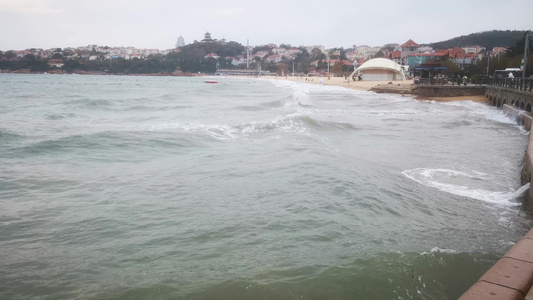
point(365, 51)
point(381, 69)
point(181, 42)
point(319, 47)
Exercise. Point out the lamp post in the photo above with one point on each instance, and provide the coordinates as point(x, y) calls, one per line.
point(526, 53)
point(293, 68)
point(328, 69)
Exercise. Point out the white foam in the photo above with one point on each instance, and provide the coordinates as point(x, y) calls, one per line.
point(439, 250)
point(287, 123)
point(449, 181)
point(220, 132)
point(280, 123)
point(491, 113)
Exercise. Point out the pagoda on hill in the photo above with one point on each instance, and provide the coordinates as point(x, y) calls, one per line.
point(207, 38)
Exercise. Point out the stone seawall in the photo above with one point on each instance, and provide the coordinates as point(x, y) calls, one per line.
point(526, 120)
point(447, 90)
point(512, 276)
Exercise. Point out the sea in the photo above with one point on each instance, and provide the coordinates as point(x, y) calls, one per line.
point(135, 187)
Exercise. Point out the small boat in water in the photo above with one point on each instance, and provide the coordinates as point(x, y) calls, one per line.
point(210, 81)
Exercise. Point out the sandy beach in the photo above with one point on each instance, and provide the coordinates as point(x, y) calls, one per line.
point(367, 85)
point(338, 81)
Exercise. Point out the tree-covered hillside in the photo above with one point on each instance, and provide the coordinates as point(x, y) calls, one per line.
point(487, 39)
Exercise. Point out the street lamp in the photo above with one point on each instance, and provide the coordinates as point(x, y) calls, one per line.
point(526, 53)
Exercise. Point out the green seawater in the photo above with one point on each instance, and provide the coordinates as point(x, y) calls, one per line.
point(116, 187)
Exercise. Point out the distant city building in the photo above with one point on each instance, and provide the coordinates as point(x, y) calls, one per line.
point(319, 47)
point(181, 42)
point(351, 56)
point(211, 55)
point(497, 52)
point(459, 56)
point(473, 49)
point(366, 52)
point(426, 50)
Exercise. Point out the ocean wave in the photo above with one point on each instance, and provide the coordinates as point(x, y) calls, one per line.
point(277, 103)
point(156, 108)
point(470, 184)
point(390, 275)
point(59, 116)
point(92, 145)
point(90, 103)
point(296, 123)
point(218, 132)
point(326, 125)
point(9, 136)
point(249, 108)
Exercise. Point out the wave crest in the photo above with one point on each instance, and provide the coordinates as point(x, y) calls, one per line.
point(471, 184)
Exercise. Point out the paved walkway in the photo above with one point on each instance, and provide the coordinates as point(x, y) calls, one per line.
point(511, 278)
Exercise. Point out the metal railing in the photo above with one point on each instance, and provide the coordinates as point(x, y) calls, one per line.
point(522, 84)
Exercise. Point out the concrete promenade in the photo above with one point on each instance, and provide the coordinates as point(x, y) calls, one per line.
point(510, 278)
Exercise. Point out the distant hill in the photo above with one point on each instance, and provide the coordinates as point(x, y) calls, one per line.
point(487, 39)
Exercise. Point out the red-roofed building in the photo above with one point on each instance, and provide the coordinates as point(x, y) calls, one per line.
point(408, 48)
point(56, 63)
point(275, 58)
point(332, 62)
point(211, 55)
point(458, 56)
point(410, 44)
point(396, 56)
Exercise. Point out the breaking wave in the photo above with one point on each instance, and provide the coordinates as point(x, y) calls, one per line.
point(471, 184)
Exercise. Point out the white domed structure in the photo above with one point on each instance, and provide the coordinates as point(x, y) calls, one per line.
point(381, 69)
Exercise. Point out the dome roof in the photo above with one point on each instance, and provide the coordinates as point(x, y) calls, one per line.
point(381, 63)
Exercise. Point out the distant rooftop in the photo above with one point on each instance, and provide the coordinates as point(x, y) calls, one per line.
point(410, 43)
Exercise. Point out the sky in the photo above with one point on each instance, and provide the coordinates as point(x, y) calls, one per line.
point(156, 24)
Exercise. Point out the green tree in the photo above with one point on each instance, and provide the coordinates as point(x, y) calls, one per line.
point(336, 68)
point(379, 54)
point(231, 49)
point(261, 48)
point(342, 55)
point(10, 54)
point(317, 54)
point(282, 69)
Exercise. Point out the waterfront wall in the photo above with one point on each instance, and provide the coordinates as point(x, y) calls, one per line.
point(526, 120)
point(447, 91)
point(512, 276)
point(500, 96)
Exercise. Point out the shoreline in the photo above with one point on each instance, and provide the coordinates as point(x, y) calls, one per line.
point(79, 72)
point(368, 85)
point(332, 81)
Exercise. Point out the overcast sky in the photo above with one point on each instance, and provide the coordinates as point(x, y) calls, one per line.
point(158, 23)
